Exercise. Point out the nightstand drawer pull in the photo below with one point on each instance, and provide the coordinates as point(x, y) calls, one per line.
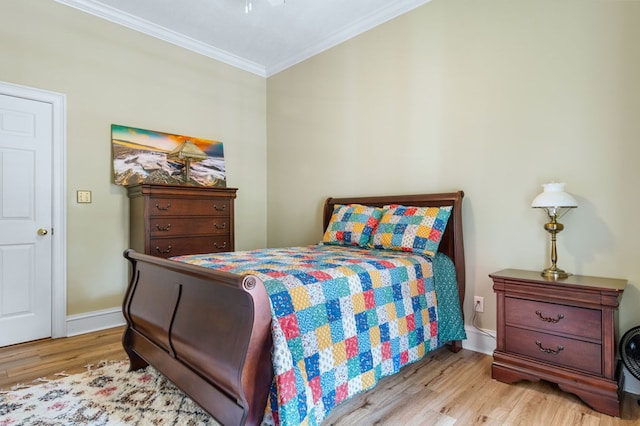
point(220, 209)
point(163, 228)
point(223, 226)
point(159, 250)
point(549, 319)
point(220, 247)
point(549, 350)
point(163, 208)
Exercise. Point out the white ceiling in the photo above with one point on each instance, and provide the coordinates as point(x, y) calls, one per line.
point(273, 36)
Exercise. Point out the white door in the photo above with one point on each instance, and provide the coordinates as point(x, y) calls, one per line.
point(26, 144)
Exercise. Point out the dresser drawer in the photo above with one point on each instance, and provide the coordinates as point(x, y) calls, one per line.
point(556, 350)
point(167, 247)
point(180, 226)
point(189, 207)
point(555, 318)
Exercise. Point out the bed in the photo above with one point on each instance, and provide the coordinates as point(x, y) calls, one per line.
point(210, 330)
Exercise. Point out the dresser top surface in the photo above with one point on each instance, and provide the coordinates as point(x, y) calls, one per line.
point(180, 191)
point(571, 281)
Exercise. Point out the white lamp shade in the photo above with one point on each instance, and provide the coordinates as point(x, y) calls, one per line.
point(554, 196)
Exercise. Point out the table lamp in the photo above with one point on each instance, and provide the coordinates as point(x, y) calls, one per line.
point(556, 203)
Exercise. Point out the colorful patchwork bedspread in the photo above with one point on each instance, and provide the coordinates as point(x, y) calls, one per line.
point(342, 318)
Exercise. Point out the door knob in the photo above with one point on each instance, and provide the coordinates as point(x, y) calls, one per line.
point(42, 231)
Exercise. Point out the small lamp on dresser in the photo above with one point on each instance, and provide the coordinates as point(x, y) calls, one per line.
point(556, 203)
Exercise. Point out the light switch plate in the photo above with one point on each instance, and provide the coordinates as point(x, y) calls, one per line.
point(84, 196)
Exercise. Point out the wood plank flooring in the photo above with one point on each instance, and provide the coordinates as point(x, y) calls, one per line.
point(457, 389)
point(26, 362)
point(443, 389)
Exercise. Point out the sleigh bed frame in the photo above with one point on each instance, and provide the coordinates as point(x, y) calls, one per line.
point(209, 331)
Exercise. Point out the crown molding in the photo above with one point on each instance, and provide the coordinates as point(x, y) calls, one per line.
point(138, 24)
point(366, 23)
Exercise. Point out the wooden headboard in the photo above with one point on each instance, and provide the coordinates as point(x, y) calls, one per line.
point(452, 242)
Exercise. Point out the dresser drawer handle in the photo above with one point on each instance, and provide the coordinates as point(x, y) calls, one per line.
point(163, 208)
point(220, 209)
point(220, 247)
point(549, 350)
point(223, 226)
point(163, 228)
point(159, 250)
point(549, 319)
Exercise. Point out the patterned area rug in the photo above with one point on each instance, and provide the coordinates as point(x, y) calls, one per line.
point(106, 394)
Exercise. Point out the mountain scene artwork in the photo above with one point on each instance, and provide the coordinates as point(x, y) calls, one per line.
point(146, 156)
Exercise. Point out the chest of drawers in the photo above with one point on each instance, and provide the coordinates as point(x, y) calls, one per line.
point(167, 220)
point(560, 331)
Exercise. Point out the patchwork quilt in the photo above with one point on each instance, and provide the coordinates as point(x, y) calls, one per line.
point(342, 318)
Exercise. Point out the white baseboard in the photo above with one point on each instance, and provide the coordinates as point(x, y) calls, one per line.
point(631, 384)
point(94, 321)
point(483, 341)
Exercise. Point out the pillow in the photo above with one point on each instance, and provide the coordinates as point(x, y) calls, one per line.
point(351, 225)
point(413, 229)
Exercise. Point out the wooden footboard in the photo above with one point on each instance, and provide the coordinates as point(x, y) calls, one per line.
point(207, 331)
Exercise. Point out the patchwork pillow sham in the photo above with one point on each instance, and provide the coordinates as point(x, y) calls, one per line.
point(352, 225)
point(412, 229)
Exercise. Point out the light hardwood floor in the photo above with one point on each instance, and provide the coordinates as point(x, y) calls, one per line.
point(26, 362)
point(443, 389)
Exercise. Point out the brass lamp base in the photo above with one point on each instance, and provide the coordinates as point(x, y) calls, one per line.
point(554, 273)
point(553, 227)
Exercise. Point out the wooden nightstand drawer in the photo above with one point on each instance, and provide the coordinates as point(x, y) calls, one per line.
point(164, 227)
point(189, 207)
point(555, 318)
point(576, 354)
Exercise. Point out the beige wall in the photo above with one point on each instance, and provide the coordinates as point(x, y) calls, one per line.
point(495, 97)
point(114, 75)
point(492, 97)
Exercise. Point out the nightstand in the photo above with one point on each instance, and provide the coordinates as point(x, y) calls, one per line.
point(560, 331)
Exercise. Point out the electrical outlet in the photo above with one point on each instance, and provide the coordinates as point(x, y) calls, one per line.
point(478, 304)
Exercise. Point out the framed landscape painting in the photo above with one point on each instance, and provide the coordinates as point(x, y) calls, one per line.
point(146, 156)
